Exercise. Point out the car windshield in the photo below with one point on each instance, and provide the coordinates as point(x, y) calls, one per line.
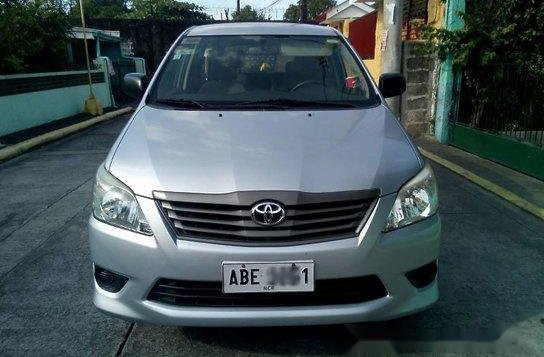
point(262, 72)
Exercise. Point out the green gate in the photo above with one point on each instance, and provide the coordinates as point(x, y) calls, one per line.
point(502, 118)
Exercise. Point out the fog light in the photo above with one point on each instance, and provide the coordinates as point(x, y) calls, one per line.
point(109, 280)
point(423, 276)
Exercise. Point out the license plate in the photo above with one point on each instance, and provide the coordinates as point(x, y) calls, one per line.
point(268, 277)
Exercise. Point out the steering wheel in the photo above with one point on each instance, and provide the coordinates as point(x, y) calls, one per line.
point(305, 83)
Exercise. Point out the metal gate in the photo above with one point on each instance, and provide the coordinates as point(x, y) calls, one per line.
point(500, 116)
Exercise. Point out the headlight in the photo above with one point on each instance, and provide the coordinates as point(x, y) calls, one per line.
point(115, 204)
point(416, 200)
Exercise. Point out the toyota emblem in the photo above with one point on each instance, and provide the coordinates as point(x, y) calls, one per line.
point(267, 213)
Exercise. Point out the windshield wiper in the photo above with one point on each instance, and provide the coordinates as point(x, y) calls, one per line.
point(182, 103)
point(290, 103)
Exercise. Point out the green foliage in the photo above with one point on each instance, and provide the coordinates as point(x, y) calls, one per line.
point(315, 7)
point(96, 9)
point(292, 13)
point(496, 32)
point(139, 9)
point(33, 33)
point(32, 36)
point(501, 53)
point(166, 10)
point(247, 13)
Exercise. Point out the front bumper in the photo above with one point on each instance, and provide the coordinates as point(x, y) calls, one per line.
point(145, 259)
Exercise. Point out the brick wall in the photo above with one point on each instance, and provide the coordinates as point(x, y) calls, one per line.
point(417, 104)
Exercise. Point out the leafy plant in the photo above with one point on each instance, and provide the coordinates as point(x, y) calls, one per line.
point(247, 13)
point(99, 8)
point(32, 36)
point(315, 7)
point(501, 53)
point(139, 9)
point(166, 10)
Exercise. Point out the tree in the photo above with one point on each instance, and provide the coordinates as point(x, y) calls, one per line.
point(501, 53)
point(167, 10)
point(292, 13)
point(100, 9)
point(33, 36)
point(247, 13)
point(139, 9)
point(495, 32)
point(315, 7)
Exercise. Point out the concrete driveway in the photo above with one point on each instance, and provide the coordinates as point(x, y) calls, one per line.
point(491, 277)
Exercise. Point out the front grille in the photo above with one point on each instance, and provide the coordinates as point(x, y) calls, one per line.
point(227, 218)
point(209, 293)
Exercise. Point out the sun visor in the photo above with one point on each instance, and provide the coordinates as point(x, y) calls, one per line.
point(307, 47)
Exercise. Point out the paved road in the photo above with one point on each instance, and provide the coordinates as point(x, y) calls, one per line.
point(491, 277)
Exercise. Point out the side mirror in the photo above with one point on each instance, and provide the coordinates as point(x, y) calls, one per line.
point(392, 84)
point(135, 84)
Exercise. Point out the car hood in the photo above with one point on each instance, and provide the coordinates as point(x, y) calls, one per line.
point(219, 152)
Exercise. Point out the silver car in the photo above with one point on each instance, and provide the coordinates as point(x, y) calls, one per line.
point(263, 181)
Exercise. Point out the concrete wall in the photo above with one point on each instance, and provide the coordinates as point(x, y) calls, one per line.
point(374, 65)
point(449, 77)
point(417, 104)
point(27, 109)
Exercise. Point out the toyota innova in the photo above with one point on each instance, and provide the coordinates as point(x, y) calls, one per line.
point(262, 180)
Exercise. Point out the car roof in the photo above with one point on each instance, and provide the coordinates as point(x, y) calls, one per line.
point(261, 28)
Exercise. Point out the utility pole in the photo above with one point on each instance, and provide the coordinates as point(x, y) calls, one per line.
point(303, 4)
point(238, 7)
point(392, 43)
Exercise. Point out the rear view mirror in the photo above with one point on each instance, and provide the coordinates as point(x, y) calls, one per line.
point(135, 84)
point(392, 84)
